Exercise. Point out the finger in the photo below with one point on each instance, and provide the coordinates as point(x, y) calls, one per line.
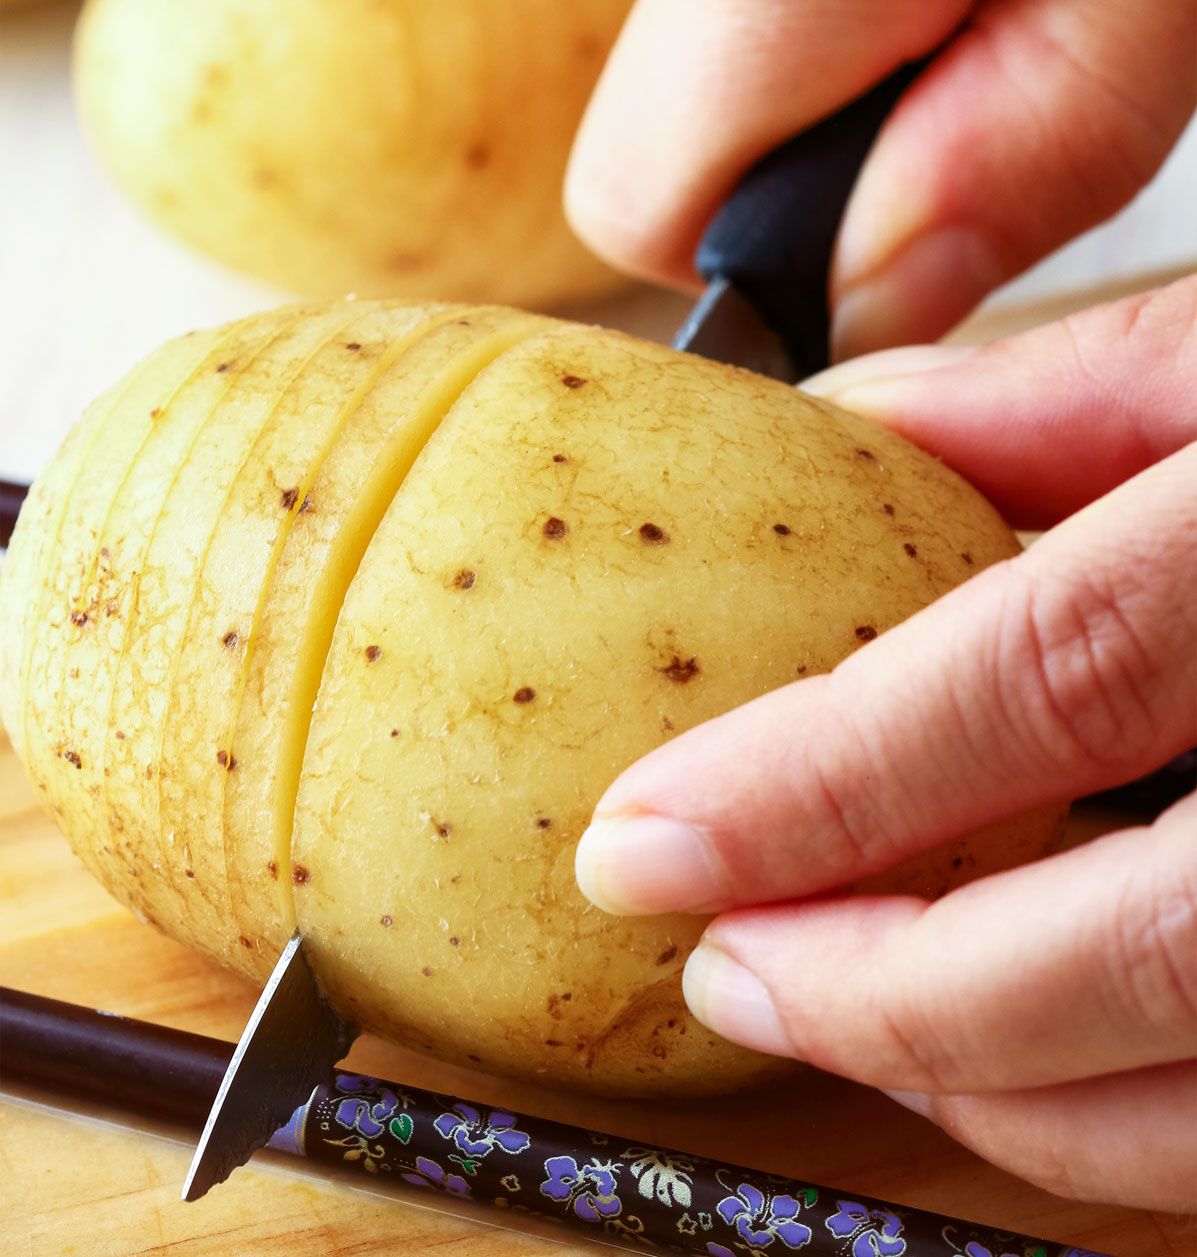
point(692, 94)
point(1045, 422)
point(1125, 1139)
point(1039, 120)
point(1079, 965)
point(1066, 670)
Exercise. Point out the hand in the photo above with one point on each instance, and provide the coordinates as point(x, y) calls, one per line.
point(1038, 119)
point(1047, 1016)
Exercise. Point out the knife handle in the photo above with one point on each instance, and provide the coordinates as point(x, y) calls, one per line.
point(774, 236)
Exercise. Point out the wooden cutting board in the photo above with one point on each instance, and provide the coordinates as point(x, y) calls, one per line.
point(72, 1185)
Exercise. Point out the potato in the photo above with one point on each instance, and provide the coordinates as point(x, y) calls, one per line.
point(384, 147)
point(345, 616)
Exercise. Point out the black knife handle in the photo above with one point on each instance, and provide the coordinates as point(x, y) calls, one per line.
point(774, 236)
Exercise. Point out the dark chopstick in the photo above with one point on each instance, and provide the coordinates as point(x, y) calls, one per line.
point(603, 1187)
point(11, 497)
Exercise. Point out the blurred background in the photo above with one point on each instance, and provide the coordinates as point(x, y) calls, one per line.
point(90, 281)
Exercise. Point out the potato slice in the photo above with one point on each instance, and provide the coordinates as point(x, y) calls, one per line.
point(35, 540)
point(604, 543)
point(150, 759)
point(75, 639)
point(290, 640)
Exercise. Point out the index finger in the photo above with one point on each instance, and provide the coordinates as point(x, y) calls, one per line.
point(1068, 669)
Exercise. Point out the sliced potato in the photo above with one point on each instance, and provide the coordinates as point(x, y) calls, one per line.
point(351, 614)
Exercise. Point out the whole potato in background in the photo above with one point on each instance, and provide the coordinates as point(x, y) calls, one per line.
point(385, 147)
point(346, 615)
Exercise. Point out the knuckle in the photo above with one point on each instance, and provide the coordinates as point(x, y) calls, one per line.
point(1080, 680)
point(915, 1056)
point(1153, 952)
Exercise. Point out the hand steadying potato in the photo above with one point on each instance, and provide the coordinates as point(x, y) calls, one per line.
point(1045, 1016)
point(345, 616)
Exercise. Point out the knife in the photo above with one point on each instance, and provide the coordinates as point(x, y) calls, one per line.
point(766, 255)
point(451, 1153)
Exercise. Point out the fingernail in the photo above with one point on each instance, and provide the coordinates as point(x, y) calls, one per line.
point(915, 1101)
point(633, 865)
point(926, 289)
point(732, 1002)
point(878, 368)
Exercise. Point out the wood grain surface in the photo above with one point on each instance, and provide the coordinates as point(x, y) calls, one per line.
point(72, 1184)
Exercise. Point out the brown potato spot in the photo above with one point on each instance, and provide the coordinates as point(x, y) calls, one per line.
point(544, 822)
point(968, 558)
point(653, 535)
point(372, 653)
point(300, 876)
point(525, 694)
point(560, 458)
point(353, 346)
point(72, 757)
point(427, 971)
point(230, 639)
point(477, 156)
point(867, 454)
point(573, 381)
point(272, 869)
point(865, 632)
point(289, 498)
point(667, 955)
point(465, 579)
point(385, 921)
point(245, 942)
point(79, 618)
point(554, 528)
point(910, 550)
point(679, 670)
point(782, 530)
point(887, 508)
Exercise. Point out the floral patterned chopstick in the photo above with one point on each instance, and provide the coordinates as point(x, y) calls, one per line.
point(617, 1191)
point(606, 1188)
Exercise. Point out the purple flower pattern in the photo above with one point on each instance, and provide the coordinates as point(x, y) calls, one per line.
point(429, 1174)
point(873, 1232)
point(759, 1219)
point(368, 1106)
point(474, 1135)
point(667, 1200)
point(590, 1190)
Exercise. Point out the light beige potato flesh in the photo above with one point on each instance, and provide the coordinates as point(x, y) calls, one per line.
point(473, 564)
point(386, 147)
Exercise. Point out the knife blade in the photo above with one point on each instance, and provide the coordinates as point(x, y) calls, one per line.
point(767, 252)
point(291, 1042)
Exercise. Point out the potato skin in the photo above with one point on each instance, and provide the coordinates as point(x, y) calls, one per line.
point(383, 147)
point(596, 544)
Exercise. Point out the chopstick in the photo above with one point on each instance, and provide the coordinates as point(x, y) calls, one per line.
point(11, 497)
point(604, 1187)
